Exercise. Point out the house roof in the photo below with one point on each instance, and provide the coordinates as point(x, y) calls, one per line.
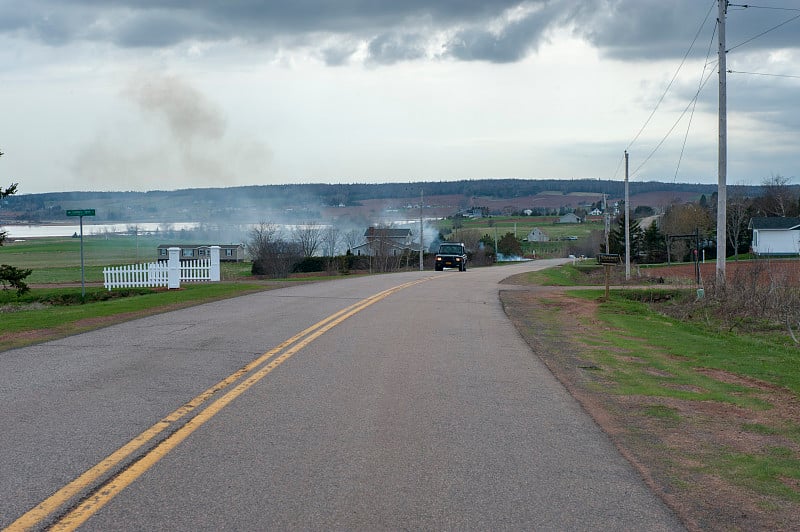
point(195, 246)
point(774, 222)
point(386, 232)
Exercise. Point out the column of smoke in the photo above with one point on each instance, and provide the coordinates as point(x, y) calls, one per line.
point(184, 143)
point(196, 133)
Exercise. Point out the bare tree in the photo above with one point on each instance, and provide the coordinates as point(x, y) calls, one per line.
point(684, 219)
point(331, 236)
point(271, 254)
point(738, 219)
point(308, 236)
point(353, 238)
point(778, 199)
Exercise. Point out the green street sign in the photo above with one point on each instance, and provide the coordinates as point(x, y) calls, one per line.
point(81, 212)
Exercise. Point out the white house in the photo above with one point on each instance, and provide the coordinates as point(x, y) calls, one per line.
point(775, 236)
point(384, 241)
point(537, 235)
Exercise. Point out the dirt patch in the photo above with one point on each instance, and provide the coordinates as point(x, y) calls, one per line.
point(676, 444)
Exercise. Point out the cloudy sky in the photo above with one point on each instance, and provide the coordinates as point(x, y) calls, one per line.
point(143, 95)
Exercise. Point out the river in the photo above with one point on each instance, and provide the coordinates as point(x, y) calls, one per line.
point(21, 232)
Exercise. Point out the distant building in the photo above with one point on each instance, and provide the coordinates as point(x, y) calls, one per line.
point(595, 212)
point(227, 252)
point(775, 236)
point(569, 218)
point(537, 235)
point(383, 241)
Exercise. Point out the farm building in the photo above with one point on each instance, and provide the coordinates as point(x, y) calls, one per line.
point(227, 252)
point(775, 236)
point(537, 235)
point(569, 218)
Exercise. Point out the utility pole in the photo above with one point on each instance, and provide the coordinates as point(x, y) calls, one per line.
point(421, 246)
point(722, 196)
point(627, 224)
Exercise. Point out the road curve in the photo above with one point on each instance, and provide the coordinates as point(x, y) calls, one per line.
point(415, 406)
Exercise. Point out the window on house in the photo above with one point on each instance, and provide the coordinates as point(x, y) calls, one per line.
point(162, 252)
point(229, 252)
point(187, 252)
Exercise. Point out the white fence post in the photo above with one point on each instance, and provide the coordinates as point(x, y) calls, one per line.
point(214, 263)
point(174, 268)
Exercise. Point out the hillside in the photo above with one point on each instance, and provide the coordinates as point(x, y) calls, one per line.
point(321, 202)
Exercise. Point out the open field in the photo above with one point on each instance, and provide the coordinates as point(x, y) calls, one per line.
point(523, 225)
point(58, 260)
point(709, 418)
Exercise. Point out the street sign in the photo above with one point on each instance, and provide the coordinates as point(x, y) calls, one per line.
point(80, 212)
point(608, 258)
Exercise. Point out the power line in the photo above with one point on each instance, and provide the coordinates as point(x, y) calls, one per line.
point(747, 6)
point(694, 105)
point(661, 99)
point(753, 38)
point(763, 74)
point(671, 129)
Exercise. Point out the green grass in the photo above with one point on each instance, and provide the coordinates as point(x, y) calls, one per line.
point(524, 225)
point(55, 320)
point(681, 346)
point(565, 275)
point(763, 472)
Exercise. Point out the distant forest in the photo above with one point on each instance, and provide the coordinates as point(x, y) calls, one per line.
point(202, 203)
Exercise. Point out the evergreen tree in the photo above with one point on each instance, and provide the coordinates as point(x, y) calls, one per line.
point(9, 275)
point(654, 247)
point(616, 238)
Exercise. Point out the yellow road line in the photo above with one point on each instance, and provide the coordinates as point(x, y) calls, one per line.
point(109, 490)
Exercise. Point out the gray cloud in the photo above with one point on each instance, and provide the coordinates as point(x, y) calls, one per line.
point(510, 44)
point(654, 29)
point(395, 31)
point(391, 48)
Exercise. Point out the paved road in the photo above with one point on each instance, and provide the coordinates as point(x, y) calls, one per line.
point(423, 409)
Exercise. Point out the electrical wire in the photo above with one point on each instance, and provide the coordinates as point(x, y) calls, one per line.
point(763, 74)
point(671, 129)
point(683, 61)
point(748, 6)
point(694, 105)
point(753, 38)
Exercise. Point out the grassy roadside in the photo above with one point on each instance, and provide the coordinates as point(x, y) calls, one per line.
point(712, 420)
point(28, 320)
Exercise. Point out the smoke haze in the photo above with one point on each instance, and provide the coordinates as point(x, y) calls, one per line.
point(186, 141)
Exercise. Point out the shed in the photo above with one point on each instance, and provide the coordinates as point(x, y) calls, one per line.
point(775, 236)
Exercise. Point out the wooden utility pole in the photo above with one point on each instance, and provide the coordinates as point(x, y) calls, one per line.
point(722, 196)
point(627, 224)
point(421, 246)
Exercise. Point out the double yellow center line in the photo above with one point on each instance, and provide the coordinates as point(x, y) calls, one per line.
point(100, 495)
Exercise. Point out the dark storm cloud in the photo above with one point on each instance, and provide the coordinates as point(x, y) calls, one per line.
point(391, 48)
point(511, 43)
point(654, 29)
point(396, 30)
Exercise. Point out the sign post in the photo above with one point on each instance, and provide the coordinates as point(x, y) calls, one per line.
point(608, 260)
point(81, 213)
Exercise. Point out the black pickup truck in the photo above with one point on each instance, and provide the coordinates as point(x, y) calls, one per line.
point(451, 255)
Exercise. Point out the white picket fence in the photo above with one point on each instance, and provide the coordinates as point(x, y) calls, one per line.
point(169, 274)
point(136, 275)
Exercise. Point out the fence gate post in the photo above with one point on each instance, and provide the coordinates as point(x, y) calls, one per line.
point(214, 263)
point(174, 268)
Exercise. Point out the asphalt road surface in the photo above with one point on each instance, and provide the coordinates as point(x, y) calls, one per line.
point(402, 401)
